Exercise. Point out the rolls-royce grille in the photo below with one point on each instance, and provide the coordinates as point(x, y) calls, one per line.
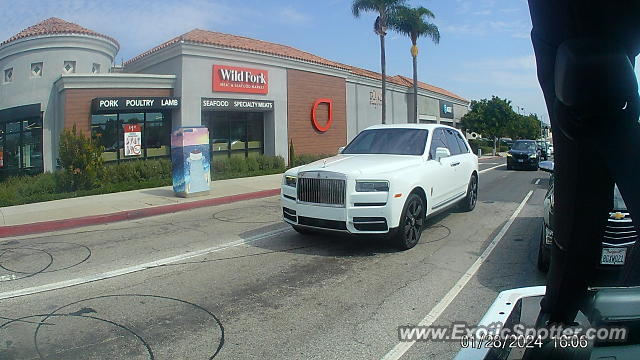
point(620, 230)
point(321, 191)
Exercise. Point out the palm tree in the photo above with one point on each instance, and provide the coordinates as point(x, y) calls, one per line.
point(384, 8)
point(413, 23)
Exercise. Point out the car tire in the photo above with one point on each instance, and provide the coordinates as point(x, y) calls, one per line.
point(469, 202)
point(408, 232)
point(301, 230)
point(509, 166)
point(543, 261)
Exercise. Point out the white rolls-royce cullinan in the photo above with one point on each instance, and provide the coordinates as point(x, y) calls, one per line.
point(388, 180)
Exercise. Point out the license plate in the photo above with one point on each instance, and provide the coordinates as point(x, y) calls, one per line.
point(520, 160)
point(613, 256)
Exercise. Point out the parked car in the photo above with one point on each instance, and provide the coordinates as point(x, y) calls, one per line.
point(523, 154)
point(550, 149)
point(619, 235)
point(544, 149)
point(388, 180)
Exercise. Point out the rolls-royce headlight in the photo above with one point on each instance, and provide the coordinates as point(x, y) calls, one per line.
point(533, 156)
point(290, 180)
point(372, 186)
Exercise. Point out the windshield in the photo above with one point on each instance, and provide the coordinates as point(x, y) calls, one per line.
point(525, 145)
point(389, 141)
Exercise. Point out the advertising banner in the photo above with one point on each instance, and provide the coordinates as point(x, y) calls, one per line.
point(240, 80)
point(132, 140)
point(191, 161)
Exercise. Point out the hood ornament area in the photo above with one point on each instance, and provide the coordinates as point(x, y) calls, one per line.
point(324, 163)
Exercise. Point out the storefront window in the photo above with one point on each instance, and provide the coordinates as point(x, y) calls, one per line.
point(157, 135)
point(235, 133)
point(21, 147)
point(155, 128)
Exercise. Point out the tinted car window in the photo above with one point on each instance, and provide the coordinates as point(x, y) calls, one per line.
point(453, 142)
point(393, 141)
point(438, 140)
point(461, 143)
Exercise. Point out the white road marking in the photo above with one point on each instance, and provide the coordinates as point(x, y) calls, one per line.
point(402, 347)
point(488, 163)
point(8, 277)
point(491, 168)
point(537, 182)
point(136, 268)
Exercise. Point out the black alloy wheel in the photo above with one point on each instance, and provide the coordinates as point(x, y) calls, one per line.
point(411, 223)
point(469, 202)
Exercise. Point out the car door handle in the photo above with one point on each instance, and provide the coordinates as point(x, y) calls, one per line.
point(455, 163)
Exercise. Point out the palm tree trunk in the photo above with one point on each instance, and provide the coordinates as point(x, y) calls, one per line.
point(383, 65)
point(415, 89)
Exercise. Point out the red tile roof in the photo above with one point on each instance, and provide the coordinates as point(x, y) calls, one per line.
point(425, 86)
point(55, 26)
point(205, 37)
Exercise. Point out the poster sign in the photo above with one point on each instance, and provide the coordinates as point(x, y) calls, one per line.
point(240, 79)
point(132, 140)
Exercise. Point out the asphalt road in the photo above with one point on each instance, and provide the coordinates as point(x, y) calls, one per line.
point(234, 282)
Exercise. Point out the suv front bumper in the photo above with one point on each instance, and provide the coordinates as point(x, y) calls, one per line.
point(363, 213)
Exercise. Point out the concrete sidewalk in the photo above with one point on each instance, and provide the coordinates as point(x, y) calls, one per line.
point(97, 209)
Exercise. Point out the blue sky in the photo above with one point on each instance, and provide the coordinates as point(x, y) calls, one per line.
point(484, 49)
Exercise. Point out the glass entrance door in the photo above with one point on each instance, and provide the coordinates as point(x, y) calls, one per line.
point(235, 133)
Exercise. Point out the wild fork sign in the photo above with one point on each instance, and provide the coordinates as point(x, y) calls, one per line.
point(240, 80)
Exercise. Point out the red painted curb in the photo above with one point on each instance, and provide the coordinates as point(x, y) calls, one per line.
point(46, 226)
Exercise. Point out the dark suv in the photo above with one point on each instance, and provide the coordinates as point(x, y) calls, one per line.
point(619, 236)
point(523, 154)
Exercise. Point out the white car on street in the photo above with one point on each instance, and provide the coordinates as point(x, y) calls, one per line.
point(388, 180)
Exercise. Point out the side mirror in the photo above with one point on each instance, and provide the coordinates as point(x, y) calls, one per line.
point(442, 153)
point(340, 149)
point(546, 166)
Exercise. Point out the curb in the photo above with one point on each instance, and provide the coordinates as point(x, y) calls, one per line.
point(47, 226)
point(490, 157)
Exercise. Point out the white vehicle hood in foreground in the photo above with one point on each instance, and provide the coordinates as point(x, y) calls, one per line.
point(363, 164)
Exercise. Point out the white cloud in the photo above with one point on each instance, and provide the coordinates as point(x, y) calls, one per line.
point(514, 78)
point(291, 15)
point(483, 12)
point(137, 25)
point(514, 28)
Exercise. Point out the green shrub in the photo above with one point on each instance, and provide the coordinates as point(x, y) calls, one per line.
point(252, 164)
point(303, 159)
point(137, 171)
point(125, 176)
point(81, 159)
point(292, 152)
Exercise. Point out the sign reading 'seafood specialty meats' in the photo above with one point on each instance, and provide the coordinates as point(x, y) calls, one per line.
point(240, 79)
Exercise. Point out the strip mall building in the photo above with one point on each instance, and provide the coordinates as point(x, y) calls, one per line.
point(254, 96)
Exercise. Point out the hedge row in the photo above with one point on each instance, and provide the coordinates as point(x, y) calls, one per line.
point(125, 176)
